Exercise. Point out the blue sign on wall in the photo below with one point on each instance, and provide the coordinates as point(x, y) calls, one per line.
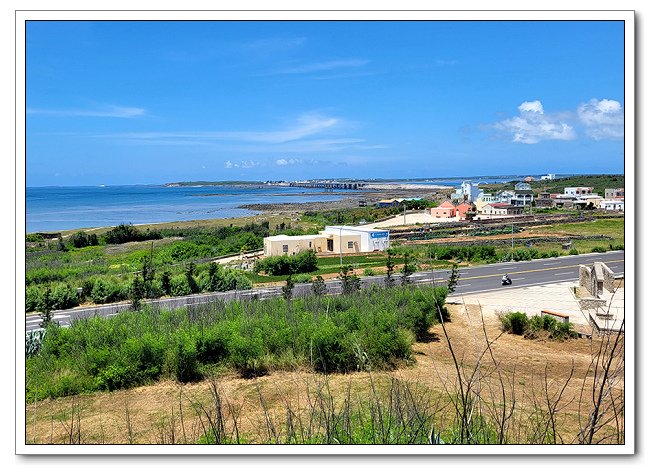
point(379, 235)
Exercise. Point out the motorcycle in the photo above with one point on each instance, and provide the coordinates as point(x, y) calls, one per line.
point(506, 280)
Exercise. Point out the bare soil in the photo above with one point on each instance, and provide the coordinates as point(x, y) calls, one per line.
point(168, 411)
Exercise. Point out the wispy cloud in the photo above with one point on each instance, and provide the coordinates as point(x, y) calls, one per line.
point(107, 111)
point(306, 125)
point(532, 125)
point(603, 119)
point(273, 44)
point(323, 66)
point(283, 162)
point(241, 164)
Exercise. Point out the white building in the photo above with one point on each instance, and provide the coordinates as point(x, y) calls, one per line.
point(550, 176)
point(334, 239)
point(468, 191)
point(522, 185)
point(370, 239)
point(578, 190)
point(612, 205)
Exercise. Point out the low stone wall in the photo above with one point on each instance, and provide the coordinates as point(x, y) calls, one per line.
point(591, 303)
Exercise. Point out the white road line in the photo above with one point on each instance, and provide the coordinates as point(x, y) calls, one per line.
point(563, 273)
point(506, 268)
point(464, 285)
point(518, 278)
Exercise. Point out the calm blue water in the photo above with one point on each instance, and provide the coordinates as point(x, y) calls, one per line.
point(60, 208)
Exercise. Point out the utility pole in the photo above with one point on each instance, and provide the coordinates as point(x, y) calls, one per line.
point(512, 254)
point(340, 247)
point(404, 214)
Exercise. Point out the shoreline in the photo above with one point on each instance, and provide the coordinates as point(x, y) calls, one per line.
point(291, 211)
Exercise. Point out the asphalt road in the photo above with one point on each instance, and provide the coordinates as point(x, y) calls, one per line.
point(471, 280)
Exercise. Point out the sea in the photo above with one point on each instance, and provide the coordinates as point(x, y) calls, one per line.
point(58, 208)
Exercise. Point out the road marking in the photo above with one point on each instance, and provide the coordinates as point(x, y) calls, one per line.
point(564, 273)
point(572, 266)
point(520, 278)
point(505, 268)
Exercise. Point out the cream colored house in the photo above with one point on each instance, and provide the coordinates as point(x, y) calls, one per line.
point(320, 243)
point(334, 239)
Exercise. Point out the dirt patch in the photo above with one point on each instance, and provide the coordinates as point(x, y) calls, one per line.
point(168, 412)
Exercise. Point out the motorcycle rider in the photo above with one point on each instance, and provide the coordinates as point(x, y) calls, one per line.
point(505, 278)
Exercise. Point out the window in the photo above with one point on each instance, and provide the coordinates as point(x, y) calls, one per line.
point(350, 244)
point(309, 243)
point(285, 248)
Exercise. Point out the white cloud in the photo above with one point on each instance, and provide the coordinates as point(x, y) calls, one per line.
point(108, 111)
point(603, 119)
point(306, 125)
point(324, 66)
point(283, 162)
point(533, 126)
point(534, 106)
point(241, 164)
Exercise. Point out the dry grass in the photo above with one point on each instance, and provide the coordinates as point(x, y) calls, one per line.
point(537, 373)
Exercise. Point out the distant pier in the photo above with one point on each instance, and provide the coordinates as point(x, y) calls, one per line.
point(328, 185)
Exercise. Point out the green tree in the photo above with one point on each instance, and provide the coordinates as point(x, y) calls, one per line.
point(189, 275)
point(45, 307)
point(318, 286)
point(165, 283)
point(137, 292)
point(390, 266)
point(408, 267)
point(453, 278)
point(287, 289)
point(350, 282)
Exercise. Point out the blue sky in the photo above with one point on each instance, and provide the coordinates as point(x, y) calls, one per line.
point(153, 102)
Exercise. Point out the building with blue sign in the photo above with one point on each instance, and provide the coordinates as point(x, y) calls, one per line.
point(334, 240)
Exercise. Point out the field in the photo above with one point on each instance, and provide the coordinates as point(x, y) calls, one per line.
point(528, 391)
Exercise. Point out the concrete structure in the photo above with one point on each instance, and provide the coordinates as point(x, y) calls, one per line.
point(544, 200)
point(522, 198)
point(388, 203)
point(522, 186)
point(369, 239)
point(446, 209)
point(334, 239)
point(501, 209)
point(468, 191)
point(612, 205)
point(550, 176)
point(578, 190)
point(614, 193)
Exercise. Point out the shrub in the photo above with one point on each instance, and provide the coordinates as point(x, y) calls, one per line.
point(328, 351)
point(514, 322)
point(185, 363)
point(598, 249)
point(81, 239)
point(32, 298)
point(63, 296)
point(368, 272)
point(129, 233)
point(573, 252)
point(106, 291)
point(302, 278)
point(302, 262)
point(180, 286)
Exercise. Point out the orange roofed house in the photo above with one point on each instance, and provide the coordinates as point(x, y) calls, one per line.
point(448, 210)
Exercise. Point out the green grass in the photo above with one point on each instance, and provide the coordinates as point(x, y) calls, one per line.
point(373, 328)
point(613, 227)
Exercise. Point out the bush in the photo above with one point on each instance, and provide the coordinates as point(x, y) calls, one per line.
point(514, 322)
point(598, 249)
point(184, 360)
point(32, 298)
point(301, 278)
point(107, 291)
point(302, 262)
point(368, 272)
point(63, 296)
point(573, 252)
point(180, 286)
point(81, 239)
point(129, 233)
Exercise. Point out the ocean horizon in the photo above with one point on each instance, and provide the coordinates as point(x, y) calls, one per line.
point(59, 208)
